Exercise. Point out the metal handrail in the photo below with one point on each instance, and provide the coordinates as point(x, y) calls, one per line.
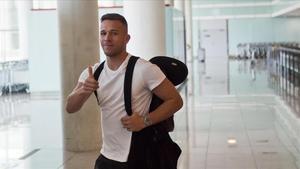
point(290, 49)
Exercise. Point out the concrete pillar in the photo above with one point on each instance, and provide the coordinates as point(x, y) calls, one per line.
point(146, 23)
point(79, 47)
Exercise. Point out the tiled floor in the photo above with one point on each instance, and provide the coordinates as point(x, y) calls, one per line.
point(251, 127)
point(261, 139)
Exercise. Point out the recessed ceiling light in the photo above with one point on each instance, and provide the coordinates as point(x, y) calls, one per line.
point(231, 141)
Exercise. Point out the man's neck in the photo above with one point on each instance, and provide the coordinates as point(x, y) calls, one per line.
point(115, 61)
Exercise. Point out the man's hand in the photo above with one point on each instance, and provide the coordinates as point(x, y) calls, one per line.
point(134, 122)
point(90, 84)
point(81, 92)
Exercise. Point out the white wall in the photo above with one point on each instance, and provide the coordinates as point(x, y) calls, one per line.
point(262, 30)
point(247, 30)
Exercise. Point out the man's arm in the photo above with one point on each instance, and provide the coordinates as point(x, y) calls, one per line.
point(81, 93)
point(172, 103)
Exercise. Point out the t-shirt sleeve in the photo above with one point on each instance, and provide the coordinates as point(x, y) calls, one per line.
point(84, 74)
point(152, 75)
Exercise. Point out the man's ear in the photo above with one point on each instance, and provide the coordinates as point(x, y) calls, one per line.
point(127, 38)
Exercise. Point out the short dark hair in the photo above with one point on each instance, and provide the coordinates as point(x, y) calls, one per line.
point(114, 16)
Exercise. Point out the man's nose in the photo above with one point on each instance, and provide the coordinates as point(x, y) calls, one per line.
point(107, 36)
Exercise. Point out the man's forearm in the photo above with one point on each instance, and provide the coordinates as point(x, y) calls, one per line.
point(75, 100)
point(165, 110)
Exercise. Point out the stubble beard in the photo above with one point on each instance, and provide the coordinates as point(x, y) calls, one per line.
point(113, 53)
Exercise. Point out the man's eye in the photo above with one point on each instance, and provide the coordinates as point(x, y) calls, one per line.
point(115, 33)
point(103, 33)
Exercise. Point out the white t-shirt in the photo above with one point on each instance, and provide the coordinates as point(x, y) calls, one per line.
point(146, 76)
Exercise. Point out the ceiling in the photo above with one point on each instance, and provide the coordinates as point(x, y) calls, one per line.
point(207, 9)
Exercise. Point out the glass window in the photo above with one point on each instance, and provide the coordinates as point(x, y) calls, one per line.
point(52, 4)
point(9, 31)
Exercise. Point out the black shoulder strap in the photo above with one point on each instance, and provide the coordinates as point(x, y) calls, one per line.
point(128, 83)
point(96, 76)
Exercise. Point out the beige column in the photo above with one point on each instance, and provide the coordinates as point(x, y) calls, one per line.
point(79, 47)
point(146, 23)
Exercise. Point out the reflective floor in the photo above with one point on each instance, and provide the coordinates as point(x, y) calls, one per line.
point(252, 126)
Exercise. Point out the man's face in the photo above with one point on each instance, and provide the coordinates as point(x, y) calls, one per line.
point(113, 37)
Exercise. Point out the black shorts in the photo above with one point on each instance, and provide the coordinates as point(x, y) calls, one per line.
point(105, 163)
